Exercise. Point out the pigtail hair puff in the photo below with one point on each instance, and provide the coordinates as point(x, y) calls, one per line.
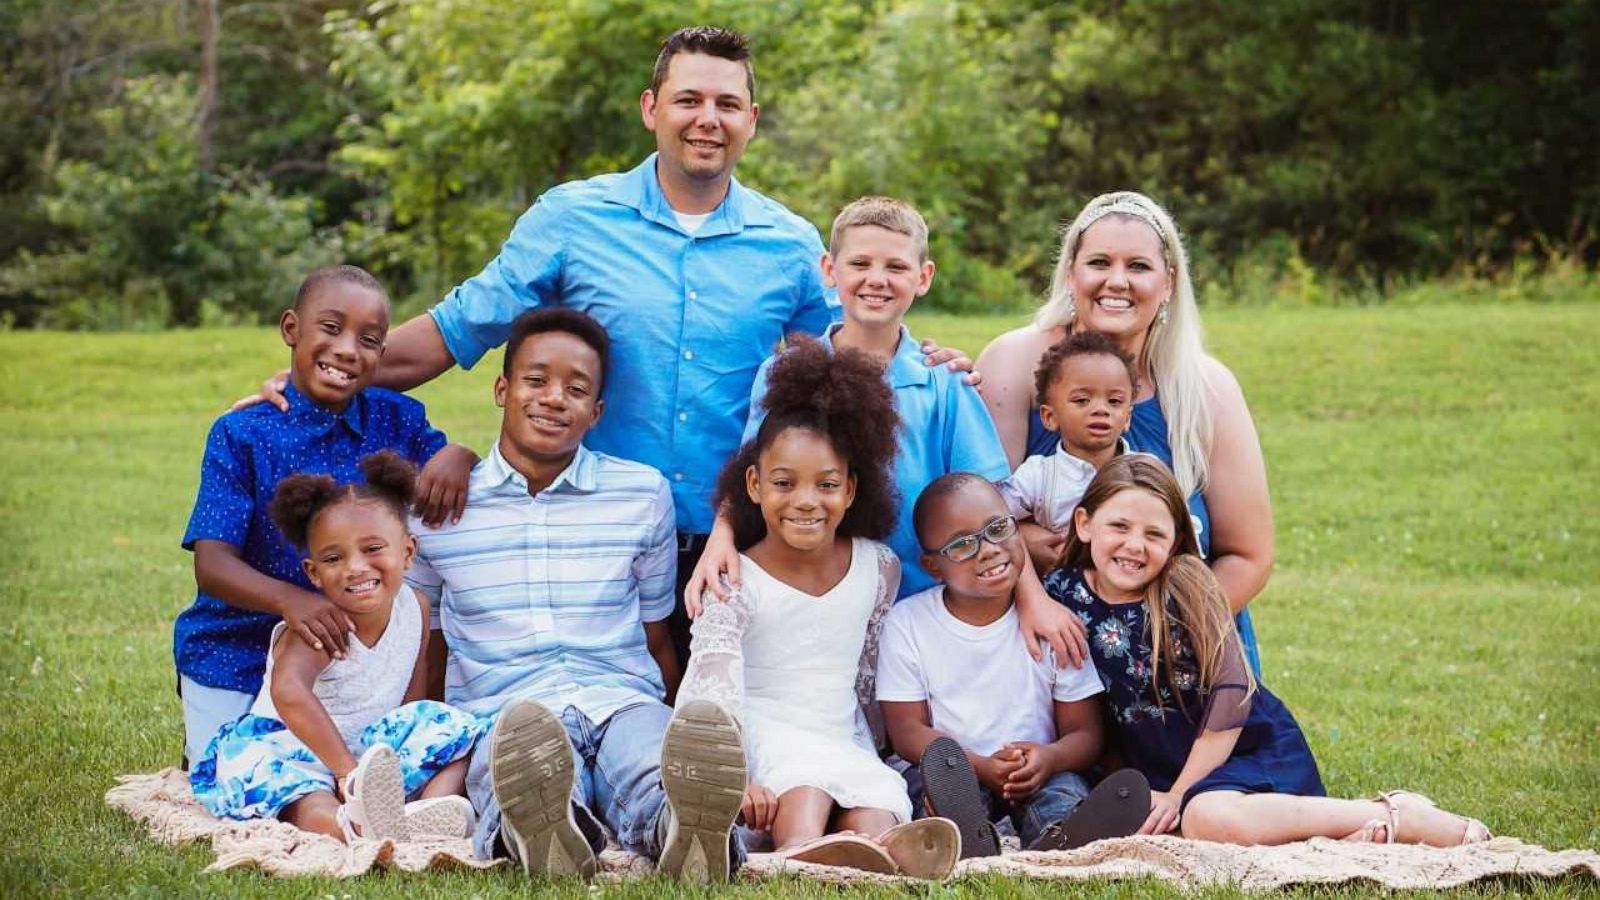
point(299, 499)
point(841, 395)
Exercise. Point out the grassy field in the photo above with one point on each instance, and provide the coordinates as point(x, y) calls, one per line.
point(1434, 620)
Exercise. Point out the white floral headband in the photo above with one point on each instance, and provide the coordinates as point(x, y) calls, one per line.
point(1125, 208)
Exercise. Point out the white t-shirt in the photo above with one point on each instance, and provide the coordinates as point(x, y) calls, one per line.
point(691, 222)
point(983, 689)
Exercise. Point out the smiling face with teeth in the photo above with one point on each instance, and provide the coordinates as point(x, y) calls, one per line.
point(879, 273)
point(1120, 278)
point(551, 396)
point(703, 117)
point(803, 488)
point(992, 574)
point(337, 337)
point(1129, 536)
point(358, 553)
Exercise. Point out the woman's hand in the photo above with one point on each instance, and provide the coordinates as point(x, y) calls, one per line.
point(1045, 547)
point(950, 357)
point(1163, 812)
point(760, 807)
point(718, 561)
point(442, 485)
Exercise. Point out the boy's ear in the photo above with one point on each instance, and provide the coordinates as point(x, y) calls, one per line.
point(752, 484)
point(599, 409)
point(289, 328)
point(1047, 417)
point(925, 277)
point(827, 269)
point(933, 564)
point(500, 391)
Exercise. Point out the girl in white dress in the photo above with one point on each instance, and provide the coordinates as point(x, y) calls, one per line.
point(793, 651)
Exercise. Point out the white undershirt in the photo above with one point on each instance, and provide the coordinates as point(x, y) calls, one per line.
point(691, 222)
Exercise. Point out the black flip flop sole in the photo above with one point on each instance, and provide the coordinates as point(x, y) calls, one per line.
point(1117, 807)
point(954, 793)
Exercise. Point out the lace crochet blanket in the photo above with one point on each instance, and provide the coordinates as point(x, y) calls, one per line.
point(163, 803)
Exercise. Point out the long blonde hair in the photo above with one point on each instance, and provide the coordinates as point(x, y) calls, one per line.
point(1174, 352)
point(1198, 606)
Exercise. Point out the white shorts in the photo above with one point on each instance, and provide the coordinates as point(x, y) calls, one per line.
point(205, 711)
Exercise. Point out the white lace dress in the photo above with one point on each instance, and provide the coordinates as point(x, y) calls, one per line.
point(797, 670)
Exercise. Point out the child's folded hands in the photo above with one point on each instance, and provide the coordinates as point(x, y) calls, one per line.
point(1033, 769)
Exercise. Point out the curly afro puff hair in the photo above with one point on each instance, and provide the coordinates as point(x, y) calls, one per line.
point(1084, 343)
point(842, 396)
point(299, 499)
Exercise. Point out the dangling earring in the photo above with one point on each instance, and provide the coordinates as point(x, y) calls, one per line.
point(1072, 310)
point(1161, 314)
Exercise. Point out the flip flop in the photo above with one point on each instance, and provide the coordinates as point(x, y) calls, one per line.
point(1472, 832)
point(953, 793)
point(926, 848)
point(1117, 807)
point(849, 851)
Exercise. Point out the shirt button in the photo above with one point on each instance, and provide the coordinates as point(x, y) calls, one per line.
point(688, 354)
point(677, 476)
point(683, 416)
point(693, 295)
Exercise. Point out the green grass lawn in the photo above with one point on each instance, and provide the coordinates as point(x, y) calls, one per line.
point(1433, 620)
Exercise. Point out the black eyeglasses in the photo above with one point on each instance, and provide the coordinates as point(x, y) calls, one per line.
point(966, 546)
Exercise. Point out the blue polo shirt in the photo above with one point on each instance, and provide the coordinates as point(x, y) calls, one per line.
point(691, 316)
point(247, 453)
point(944, 428)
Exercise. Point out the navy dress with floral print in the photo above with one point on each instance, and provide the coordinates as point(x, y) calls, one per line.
point(1153, 733)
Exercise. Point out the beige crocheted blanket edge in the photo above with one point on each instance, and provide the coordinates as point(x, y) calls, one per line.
point(164, 804)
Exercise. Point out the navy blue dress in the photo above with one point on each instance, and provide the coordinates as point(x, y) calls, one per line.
point(1147, 433)
point(1153, 733)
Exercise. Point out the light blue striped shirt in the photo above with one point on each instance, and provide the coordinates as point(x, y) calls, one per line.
point(546, 596)
point(691, 316)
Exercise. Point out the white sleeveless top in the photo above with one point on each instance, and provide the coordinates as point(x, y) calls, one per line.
point(369, 682)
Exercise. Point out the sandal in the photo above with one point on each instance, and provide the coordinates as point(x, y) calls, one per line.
point(1473, 831)
point(952, 792)
point(850, 851)
point(926, 848)
point(1116, 807)
point(375, 798)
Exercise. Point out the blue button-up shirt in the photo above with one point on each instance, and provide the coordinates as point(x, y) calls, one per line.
point(944, 428)
point(691, 316)
point(247, 453)
point(546, 596)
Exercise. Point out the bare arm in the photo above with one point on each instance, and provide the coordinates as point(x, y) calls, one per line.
point(1045, 622)
point(1236, 494)
point(293, 672)
point(220, 572)
point(658, 640)
point(1211, 749)
point(414, 354)
point(1007, 365)
point(1078, 730)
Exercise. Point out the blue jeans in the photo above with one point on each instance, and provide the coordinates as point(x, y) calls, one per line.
point(1055, 800)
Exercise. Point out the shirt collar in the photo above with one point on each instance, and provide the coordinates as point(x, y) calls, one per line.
point(906, 367)
point(1082, 465)
point(579, 475)
point(305, 408)
point(640, 189)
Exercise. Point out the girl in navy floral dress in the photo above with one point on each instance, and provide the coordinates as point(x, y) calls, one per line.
point(1225, 759)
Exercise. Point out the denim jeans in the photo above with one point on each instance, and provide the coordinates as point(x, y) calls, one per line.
point(617, 777)
point(1055, 800)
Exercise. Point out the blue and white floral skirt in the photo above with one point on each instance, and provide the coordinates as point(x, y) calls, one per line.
point(255, 766)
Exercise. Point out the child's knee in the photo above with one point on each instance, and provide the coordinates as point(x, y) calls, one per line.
point(1215, 817)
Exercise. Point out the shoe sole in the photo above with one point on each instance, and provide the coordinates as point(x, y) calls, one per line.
point(927, 848)
point(450, 817)
point(381, 787)
point(703, 774)
point(530, 763)
point(954, 793)
point(1117, 807)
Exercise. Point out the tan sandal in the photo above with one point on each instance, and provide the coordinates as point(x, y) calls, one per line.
point(1473, 831)
point(926, 848)
point(850, 851)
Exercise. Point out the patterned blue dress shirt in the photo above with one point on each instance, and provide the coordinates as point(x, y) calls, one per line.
point(247, 453)
point(691, 316)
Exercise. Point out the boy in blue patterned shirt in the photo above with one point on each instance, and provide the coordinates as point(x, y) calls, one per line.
point(249, 576)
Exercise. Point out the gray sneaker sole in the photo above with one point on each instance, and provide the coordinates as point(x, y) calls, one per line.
point(703, 774)
point(530, 763)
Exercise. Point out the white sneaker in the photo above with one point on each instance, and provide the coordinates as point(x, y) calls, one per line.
point(446, 817)
point(375, 798)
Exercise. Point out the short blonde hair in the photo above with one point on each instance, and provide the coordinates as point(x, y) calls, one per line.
point(887, 213)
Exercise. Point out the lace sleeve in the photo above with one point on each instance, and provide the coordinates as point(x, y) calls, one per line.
point(1228, 702)
point(867, 669)
point(716, 652)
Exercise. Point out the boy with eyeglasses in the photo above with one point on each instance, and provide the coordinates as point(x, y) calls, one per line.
point(996, 737)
